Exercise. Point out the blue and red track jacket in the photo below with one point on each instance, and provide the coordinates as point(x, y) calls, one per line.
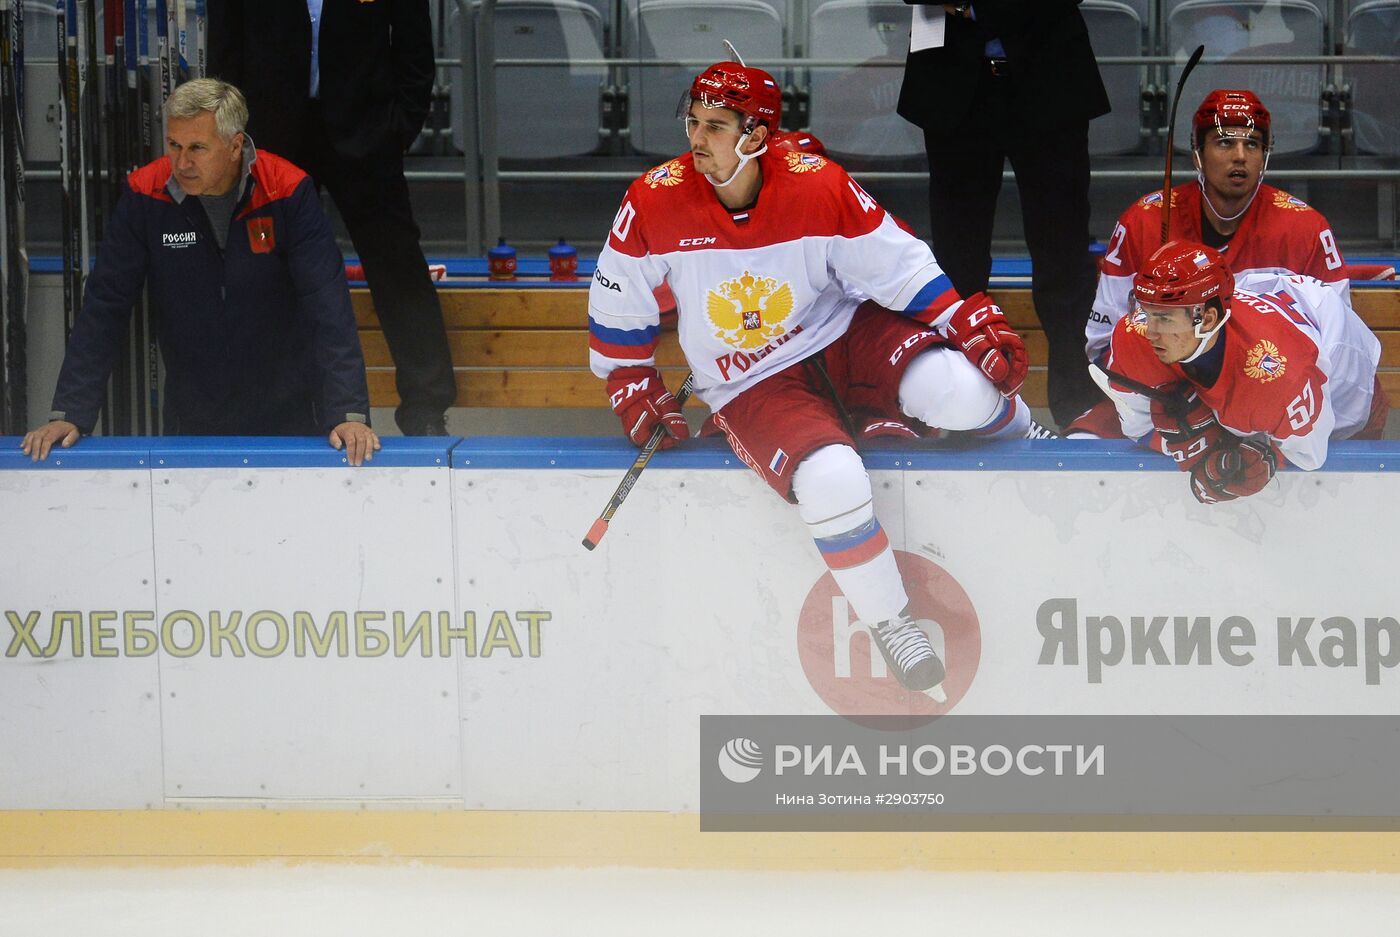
point(258, 338)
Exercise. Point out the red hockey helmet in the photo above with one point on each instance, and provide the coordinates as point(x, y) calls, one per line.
point(1183, 273)
point(750, 91)
point(1226, 108)
point(798, 142)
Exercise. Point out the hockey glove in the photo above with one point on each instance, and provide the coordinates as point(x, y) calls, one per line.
point(642, 402)
point(1187, 430)
point(1234, 471)
point(981, 332)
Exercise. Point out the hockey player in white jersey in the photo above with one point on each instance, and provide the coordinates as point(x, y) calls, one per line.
point(770, 254)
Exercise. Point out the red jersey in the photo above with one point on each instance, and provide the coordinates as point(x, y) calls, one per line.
point(1299, 367)
point(1278, 234)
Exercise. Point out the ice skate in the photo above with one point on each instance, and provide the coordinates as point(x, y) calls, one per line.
point(909, 654)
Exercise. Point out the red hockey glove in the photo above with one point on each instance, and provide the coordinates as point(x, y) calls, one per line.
point(981, 332)
point(642, 402)
point(1187, 430)
point(1234, 471)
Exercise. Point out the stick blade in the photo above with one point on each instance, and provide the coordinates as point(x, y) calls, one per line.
point(1191, 62)
point(595, 533)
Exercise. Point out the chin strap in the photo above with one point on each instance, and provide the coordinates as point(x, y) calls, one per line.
point(743, 160)
point(1205, 339)
point(1201, 181)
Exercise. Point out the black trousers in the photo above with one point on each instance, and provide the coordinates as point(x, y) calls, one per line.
point(1052, 176)
point(372, 197)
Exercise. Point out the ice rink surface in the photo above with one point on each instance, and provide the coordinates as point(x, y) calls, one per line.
point(407, 900)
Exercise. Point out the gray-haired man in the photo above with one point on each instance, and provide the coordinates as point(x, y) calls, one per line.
point(256, 329)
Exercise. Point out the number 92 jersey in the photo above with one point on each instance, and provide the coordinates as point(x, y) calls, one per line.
point(1278, 234)
point(758, 289)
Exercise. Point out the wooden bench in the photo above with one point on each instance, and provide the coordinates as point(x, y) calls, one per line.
point(522, 347)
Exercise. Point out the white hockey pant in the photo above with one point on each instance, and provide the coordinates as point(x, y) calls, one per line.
point(943, 389)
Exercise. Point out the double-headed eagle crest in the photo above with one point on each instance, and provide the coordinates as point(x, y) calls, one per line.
point(749, 311)
point(1264, 362)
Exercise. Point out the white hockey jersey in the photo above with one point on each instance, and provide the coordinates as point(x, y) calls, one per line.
point(756, 290)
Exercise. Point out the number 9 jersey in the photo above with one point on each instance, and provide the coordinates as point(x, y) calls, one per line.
point(1278, 234)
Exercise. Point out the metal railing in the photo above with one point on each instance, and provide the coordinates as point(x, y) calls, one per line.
point(481, 162)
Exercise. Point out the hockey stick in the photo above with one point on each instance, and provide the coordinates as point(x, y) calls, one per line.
point(201, 40)
point(1174, 404)
point(112, 139)
point(67, 97)
point(167, 78)
point(7, 233)
point(178, 39)
point(17, 359)
point(146, 83)
point(14, 261)
point(1171, 134)
point(624, 488)
point(819, 365)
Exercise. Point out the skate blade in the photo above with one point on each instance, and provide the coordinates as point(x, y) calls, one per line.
point(936, 693)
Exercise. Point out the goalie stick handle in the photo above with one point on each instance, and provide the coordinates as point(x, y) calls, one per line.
point(1171, 135)
point(624, 488)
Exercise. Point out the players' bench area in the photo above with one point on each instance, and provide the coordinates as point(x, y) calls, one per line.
point(526, 345)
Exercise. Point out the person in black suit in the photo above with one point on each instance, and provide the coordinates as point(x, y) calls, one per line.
point(341, 88)
point(1014, 80)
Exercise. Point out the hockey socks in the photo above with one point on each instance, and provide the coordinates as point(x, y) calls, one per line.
point(834, 499)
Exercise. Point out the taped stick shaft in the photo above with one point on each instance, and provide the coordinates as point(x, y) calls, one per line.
point(624, 488)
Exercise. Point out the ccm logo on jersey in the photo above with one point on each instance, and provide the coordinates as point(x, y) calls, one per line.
point(184, 239)
point(696, 242)
point(605, 283)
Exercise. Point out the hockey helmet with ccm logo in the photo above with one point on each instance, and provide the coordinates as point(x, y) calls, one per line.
point(750, 91)
point(1223, 109)
point(1181, 273)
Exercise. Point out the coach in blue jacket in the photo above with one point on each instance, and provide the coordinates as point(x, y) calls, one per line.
point(256, 329)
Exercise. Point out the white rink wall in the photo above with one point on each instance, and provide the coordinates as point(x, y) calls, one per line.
point(251, 622)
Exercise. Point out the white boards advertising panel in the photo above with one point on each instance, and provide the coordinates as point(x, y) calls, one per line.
point(429, 629)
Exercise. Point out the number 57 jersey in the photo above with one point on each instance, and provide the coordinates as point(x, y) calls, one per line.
point(1299, 365)
point(757, 289)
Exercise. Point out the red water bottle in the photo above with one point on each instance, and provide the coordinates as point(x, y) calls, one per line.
point(500, 260)
point(563, 261)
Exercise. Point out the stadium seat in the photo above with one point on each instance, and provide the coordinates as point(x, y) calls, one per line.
point(672, 31)
point(853, 107)
point(1293, 93)
point(1373, 28)
point(1117, 29)
point(628, 13)
point(41, 83)
point(564, 99)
